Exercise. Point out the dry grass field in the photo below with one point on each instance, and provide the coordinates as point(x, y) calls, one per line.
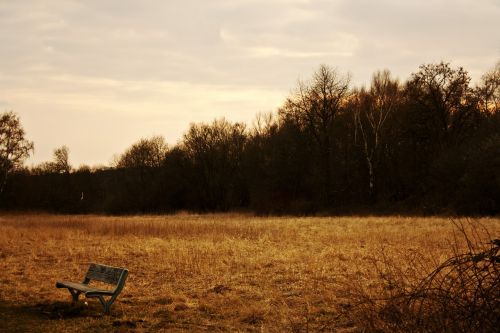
point(211, 272)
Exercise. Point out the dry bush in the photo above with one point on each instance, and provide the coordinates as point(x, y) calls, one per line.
point(462, 294)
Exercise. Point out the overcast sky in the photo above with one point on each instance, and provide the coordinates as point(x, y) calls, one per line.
point(97, 75)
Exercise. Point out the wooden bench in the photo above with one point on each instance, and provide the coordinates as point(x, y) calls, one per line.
point(107, 274)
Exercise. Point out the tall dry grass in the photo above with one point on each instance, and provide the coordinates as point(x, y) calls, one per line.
point(210, 272)
point(461, 294)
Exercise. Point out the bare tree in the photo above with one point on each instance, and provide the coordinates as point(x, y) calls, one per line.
point(59, 163)
point(372, 108)
point(61, 159)
point(146, 153)
point(314, 107)
point(141, 162)
point(263, 124)
point(441, 96)
point(14, 148)
point(488, 91)
point(216, 151)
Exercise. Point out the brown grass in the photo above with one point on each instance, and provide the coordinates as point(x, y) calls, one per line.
point(208, 273)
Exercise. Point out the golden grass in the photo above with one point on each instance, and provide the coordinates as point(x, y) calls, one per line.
point(204, 273)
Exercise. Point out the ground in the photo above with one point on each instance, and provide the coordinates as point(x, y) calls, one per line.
point(226, 272)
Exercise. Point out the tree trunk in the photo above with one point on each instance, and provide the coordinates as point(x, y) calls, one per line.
point(327, 169)
point(3, 181)
point(371, 181)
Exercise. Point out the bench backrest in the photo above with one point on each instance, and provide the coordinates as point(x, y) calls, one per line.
point(106, 274)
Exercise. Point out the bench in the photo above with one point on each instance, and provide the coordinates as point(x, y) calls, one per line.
point(107, 274)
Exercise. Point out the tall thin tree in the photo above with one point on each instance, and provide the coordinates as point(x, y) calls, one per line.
point(371, 109)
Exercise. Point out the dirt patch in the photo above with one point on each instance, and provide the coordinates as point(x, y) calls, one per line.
point(220, 289)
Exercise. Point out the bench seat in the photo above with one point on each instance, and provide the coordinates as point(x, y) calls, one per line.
point(84, 288)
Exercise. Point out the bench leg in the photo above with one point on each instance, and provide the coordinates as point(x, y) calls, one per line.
point(106, 305)
point(74, 295)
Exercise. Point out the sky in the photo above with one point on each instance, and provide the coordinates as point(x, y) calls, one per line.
point(98, 75)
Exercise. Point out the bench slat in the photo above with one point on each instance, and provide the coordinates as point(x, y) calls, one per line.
point(107, 274)
point(85, 288)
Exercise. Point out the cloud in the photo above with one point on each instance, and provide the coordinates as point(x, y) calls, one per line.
point(84, 112)
point(156, 66)
point(4, 105)
point(340, 45)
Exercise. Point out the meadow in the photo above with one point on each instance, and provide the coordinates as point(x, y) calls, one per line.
point(228, 272)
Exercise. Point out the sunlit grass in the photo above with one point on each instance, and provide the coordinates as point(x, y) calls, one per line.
point(210, 272)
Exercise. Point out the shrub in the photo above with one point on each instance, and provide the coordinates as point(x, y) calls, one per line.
point(462, 294)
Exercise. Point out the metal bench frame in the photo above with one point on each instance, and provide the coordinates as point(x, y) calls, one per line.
point(107, 274)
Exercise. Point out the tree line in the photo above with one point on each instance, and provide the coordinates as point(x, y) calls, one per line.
point(429, 145)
